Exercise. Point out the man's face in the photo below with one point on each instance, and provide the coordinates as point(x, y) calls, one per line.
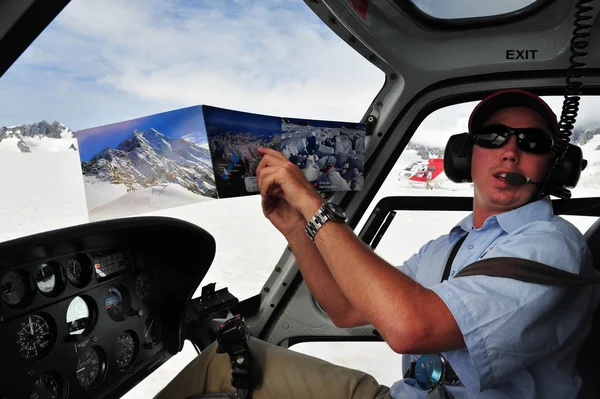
point(492, 194)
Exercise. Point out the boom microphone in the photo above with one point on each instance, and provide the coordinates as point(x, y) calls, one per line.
point(516, 179)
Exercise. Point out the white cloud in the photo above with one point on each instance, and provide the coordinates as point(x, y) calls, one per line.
point(111, 60)
point(104, 62)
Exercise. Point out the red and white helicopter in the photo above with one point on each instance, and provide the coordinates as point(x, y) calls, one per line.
point(418, 173)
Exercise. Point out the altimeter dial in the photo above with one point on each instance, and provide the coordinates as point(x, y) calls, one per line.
point(35, 337)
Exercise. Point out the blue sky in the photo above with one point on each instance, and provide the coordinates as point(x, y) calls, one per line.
point(174, 124)
point(103, 62)
point(219, 120)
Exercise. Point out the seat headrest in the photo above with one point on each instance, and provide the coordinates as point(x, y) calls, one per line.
point(457, 164)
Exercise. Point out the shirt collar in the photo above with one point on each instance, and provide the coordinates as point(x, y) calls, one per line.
point(511, 220)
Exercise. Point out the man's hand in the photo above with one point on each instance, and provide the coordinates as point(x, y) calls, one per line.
point(288, 199)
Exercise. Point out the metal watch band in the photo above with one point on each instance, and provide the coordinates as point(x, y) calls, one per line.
point(315, 223)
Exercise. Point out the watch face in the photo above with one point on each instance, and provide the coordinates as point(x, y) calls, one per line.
point(336, 212)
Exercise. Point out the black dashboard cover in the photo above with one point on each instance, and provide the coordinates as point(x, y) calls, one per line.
point(175, 253)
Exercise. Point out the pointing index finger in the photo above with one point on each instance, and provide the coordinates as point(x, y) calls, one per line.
point(270, 151)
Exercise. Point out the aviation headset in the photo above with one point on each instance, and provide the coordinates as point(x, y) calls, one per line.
point(458, 152)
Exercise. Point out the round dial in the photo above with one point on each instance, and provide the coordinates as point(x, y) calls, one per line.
point(127, 346)
point(152, 332)
point(144, 287)
point(47, 386)
point(78, 316)
point(15, 288)
point(49, 278)
point(90, 367)
point(35, 337)
point(79, 271)
point(117, 303)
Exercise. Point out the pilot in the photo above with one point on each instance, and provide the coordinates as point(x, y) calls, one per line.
point(500, 338)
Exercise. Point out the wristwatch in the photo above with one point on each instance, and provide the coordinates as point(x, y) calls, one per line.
point(327, 211)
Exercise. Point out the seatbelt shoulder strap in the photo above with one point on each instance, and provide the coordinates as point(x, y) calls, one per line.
point(452, 256)
point(525, 270)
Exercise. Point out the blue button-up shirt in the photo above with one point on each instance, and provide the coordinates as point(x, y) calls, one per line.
point(522, 339)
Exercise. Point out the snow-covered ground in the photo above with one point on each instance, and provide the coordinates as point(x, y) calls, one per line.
point(39, 143)
point(147, 199)
point(9, 144)
point(99, 192)
point(44, 191)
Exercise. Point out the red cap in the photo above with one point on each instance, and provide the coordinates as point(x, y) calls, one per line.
point(511, 98)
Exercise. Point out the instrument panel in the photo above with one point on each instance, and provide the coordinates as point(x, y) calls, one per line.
point(77, 317)
point(82, 323)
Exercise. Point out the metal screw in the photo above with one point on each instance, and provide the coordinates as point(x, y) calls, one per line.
point(267, 289)
point(370, 119)
point(94, 339)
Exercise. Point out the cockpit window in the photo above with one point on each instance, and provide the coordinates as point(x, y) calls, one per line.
point(104, 63)
point(458, 9)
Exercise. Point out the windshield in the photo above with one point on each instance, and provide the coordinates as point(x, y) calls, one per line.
point(99, 64)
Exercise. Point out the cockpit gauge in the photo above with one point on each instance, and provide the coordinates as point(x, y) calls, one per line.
point(91, 367)
point(127, 348)
point(49, 278)
point(48, 386)
point(79, 270)
point(152, 332)
point(144, 287)
point(117, 303)
point(35, 337)
point(16, 288)
point(79, 316)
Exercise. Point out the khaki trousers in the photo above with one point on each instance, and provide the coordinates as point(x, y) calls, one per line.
point(286, 375)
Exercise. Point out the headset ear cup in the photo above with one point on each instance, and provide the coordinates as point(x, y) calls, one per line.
point(457, 158)
point(568, 170)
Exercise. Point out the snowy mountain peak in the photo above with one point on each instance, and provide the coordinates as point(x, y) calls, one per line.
point(147, 158)
point(198, 138)
point(39, 136)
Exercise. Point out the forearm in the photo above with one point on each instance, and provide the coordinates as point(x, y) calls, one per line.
point(401, 309)
point(321, 283)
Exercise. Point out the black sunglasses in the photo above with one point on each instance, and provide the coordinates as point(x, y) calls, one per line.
point(533, 140)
